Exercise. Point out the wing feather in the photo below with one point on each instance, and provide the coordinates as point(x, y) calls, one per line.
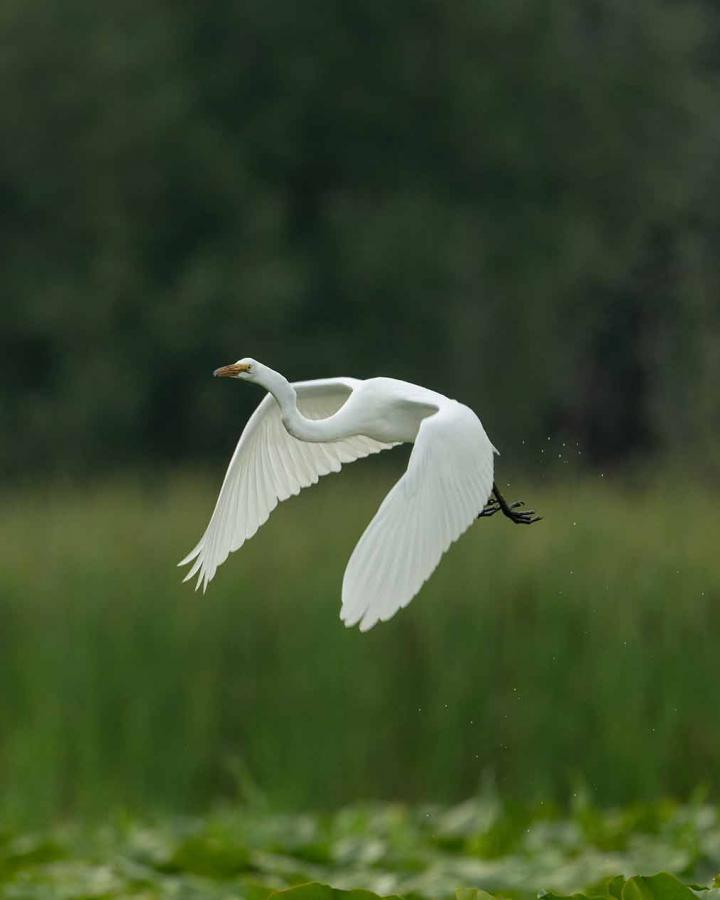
point(447, 483)
point(268, 466)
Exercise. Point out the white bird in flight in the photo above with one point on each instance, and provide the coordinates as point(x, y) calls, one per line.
point(303, 430)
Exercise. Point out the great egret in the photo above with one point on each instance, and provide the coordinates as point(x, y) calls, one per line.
point(304, 430)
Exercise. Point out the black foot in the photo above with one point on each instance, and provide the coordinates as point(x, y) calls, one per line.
point(497, 503)
point(493, 506)
point(523, 518)
point(490, 509)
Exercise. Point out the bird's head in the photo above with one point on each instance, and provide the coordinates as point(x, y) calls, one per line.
point(247, 369)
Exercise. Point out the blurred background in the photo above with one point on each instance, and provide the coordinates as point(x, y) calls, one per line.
point(516, 202)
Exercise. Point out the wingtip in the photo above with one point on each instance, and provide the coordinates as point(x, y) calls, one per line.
point(348, 620)
point(366, 624)
point(191, 555)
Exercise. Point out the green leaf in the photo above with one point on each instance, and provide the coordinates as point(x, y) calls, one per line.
point(211, 854)
point(551, 895)
point(316, 891)
point(254, 890)
point(656, 887)
point(612, 886)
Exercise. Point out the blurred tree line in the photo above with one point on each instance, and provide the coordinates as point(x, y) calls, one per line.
point(513, 201)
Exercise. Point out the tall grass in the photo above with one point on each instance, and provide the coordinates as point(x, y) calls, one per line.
point(585, 648)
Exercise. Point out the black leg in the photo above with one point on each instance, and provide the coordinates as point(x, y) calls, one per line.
point(497, 503)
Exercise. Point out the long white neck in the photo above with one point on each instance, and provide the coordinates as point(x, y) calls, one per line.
point(311, 430)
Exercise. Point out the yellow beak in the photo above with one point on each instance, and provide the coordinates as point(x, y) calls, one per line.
point(231, 371)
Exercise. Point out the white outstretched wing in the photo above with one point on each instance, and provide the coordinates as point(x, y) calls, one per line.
point(269, 465)
point(447, 483)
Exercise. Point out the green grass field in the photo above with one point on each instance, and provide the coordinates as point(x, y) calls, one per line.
point(580, 652)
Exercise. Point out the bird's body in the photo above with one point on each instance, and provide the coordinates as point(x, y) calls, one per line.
point(384, 409)
point(304, 430)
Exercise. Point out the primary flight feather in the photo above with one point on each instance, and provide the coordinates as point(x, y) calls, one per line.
point(304, 430)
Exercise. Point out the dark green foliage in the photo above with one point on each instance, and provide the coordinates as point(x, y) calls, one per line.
point(512, 201)
point(369, 851)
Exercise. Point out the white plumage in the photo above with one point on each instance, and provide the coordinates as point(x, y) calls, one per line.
point(304, 430)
